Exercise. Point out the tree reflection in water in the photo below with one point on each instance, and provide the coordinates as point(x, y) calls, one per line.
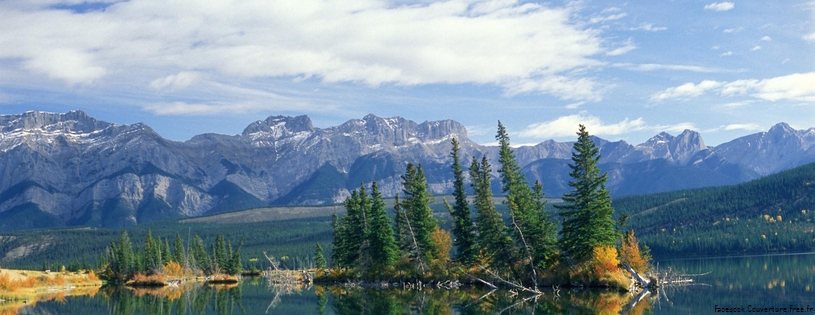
point(200, 299)
point(193, 298)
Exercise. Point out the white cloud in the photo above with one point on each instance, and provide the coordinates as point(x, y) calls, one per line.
point(720, 6)
point(686, 90)
point(575, 105)
point(372, 42)
point(795, 87)
point(737, 104)
point(648, 27)
point(755, 48)
point(810, 37)
point(184, 108)
point(565, 88)
point(607, 18)
point(766, 38)
point(655, 67)
point(733, 30)
point(566, 126)
point(725, 54)
point(629, 46)
point(175, 82)
point(798, 87)
point(71, 66)
point(215, 108)
point(746, 127)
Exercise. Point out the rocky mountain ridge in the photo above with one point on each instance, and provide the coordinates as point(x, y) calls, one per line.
point(71, 169)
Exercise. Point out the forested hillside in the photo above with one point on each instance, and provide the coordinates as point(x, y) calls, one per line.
point(771, 214)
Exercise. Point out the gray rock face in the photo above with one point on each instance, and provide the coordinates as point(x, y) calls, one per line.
point(781, 148)
point(74, 169)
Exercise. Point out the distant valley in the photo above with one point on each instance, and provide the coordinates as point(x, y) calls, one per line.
point(73, 170)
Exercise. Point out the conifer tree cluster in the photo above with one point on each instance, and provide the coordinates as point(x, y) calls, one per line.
point(123, 261)
point(366, 239)
point(520, 244)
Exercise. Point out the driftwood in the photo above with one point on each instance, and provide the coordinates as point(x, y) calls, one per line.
point(512, 284)
point(636, 300)
point(645, 283)
point(271, 260)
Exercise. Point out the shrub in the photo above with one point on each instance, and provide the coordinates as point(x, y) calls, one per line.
point(630, 253)
point(173, 269)
point(605, 261)
point(92, 276)
point(8, 284)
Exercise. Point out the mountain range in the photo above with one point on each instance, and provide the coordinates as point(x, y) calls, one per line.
point(71, 169)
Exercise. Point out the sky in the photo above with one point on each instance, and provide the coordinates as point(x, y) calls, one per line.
point(625, 69)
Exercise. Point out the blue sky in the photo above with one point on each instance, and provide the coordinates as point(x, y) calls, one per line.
point(628, 70)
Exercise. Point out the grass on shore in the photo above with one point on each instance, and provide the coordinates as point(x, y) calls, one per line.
point(20, 288)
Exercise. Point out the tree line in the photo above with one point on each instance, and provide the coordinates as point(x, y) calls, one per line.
point(122, 261)
point(528, 247)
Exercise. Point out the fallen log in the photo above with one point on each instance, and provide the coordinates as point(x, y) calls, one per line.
point(644, 282)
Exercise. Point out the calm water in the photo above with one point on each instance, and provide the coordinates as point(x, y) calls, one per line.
point(740, 282)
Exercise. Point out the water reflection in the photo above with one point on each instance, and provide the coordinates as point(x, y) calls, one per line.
point(766, 281)
point(255, 297)
point(475, 301)
point(191, 298)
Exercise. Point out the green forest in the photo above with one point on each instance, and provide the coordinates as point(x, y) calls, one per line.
point(771, 214)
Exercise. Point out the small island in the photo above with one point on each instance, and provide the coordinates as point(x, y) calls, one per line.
point(526, 253)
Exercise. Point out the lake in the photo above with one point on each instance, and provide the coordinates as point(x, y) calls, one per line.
point(755, 284)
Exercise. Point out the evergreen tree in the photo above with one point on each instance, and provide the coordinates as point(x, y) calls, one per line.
point(199, 253)
point(463, 232)
point(417, 209)
point(166, 255)
point(587, 210)
point(235, 265)
point(353, 231)
point(151, 262)
point(383, 248)
point(219, 253)
point(533, 231)
point(227, 266)
point(122, 259)
point(338, 242)
point(401, 233)
point(493, 240)
point(178, 250)
point(319, 259)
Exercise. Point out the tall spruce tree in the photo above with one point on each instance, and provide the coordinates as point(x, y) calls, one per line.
point(351, 232)
point(235, 265)
point(400, 230)
point(587, 210)
point(123, 260)
point(493, 240)
point(201, 257)
point(416, 203)
point(319, 258)
point(178, 250)
point(166, 254)
point(337, 242)
point(152, 254)
point(219, 253)
point(463, 232)
point(382, 246)
point(534, 233)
